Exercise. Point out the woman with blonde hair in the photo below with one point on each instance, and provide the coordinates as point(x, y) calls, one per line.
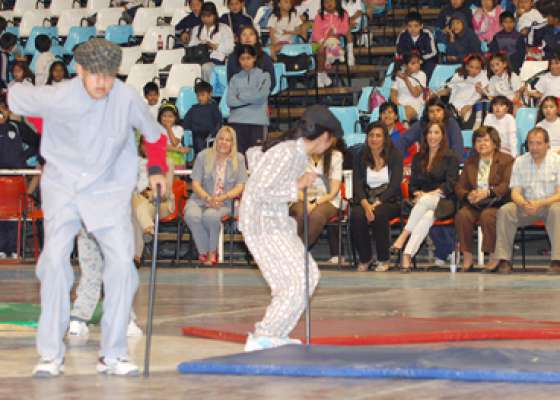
point(218, 177)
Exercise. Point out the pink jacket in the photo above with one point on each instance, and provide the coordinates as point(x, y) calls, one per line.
point(321, 26)
point(486, 25)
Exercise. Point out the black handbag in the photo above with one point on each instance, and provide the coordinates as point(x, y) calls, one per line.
point(199, 54)
point(296, 63)
point(374, 193)
point(488, 202)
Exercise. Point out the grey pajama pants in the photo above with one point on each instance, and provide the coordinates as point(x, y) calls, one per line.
point(280, 258)
point(120, 280)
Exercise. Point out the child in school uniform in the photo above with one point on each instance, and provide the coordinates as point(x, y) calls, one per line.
point(236, 18)
point(168, 118)
point(21, 73)
point(503, 81)
point(284, 25)
point(486, 19)
point(461, 40)
point(509, 41)
point(44, 60)
point(502, 120)
point(409, 82)
point(549, 119)
point(527, 16)
point(57, 73)
point(151, 94)
point(8, 42)
point(549, 83)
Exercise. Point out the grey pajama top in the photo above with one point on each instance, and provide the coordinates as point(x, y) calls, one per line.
point(271, 186)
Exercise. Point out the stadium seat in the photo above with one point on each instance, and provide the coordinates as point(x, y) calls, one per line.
point(22, 6)
point(531, 68)
point(224, 109)
point(178, 15)
point(140, 74)
point(525, 119)
point(442, 73)
point(354, 139)
point(107, 17)
point(130, 55)
point(168, 7)
point(76, 36)
point(70, 18)
point(31, 19)
point(262, 16)
point(58, 6)
point(467, 138)
point(119, 34)
point(150, 41)
point(13, 29)
point(180, 75)
point(280, 76)
point(144, 19)
point(218, 80)
point(30, 49)
point(95, 5)
point(185, 100)
point(72, 67)
point(349, 118)
point(165, 58)
point(296, 49)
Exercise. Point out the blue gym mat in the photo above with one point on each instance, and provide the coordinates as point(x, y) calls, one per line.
point(475, 364)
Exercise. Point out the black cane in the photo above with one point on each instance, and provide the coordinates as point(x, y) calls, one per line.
point(306, 250)
point(152, 291)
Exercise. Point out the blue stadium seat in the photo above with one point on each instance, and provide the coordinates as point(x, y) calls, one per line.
point(72, 67)
point(354, 139)
point(280, 76)
point(119, 34)
point(467, 138)
point(76, 36)
point(525, 119)
point(349, 118)
point(224, 109)
point(218, 80)
point(363, 101)
point(185, 100)
point(375, 114)
point(442, 73)
point(296, 49)
point(30, 49)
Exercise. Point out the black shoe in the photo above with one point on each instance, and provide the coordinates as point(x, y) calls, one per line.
point(504, 267)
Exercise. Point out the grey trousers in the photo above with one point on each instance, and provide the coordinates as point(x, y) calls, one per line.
point(511, 217)
point(120, 281)
point(204, 223)
point(280, 258)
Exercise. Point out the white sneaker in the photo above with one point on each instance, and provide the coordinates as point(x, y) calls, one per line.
point(13, 256)
point(328, 81)
point(442, 263)
point(255, 343)
point(48, 368)
point(78, 328)
point(321, 79)
point(334, 260)
point(3, 255)
point(117, 366)
point(133, 330)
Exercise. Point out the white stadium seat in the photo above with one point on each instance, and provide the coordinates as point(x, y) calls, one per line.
point(31, 19)
point(144, 19)
point(149, 42)
point(129, 57)
point(21, 6)
point(181, 75)
point(530, 68)
point(70, 18)
point(140, 74)
point(179, 14)
point(169, 6)
point(57, 6)
point(94, 5)
point(106, 17)
point(168, 57)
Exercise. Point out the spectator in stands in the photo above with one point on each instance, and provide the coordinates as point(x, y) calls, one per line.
point(432, 182)
point(389, 115)
point(377, 176)
point(143, 204)
point(435, 111)
point(184, 28)
point(250, 36)
point(323, 195)
point(129, 8)
point(44, 60)
point(236, 18)
point(151, 94)
point(203, 119)
point(57, 73)
point(416, 38)
point(21, 73)
point(501, 118)
point(409, 83)
point(3, 22)
point(509, 41)
point(218, 177)
point(8, 42)
point(535, 194)
point(482, 188)
point(331, 25)
point(503, 81)
point(467, 86)
point(486, 19)
point(548, 36)
point(354, 8)
point(549, 83)
point(247, 97)
point(168, 117)
point(549, 118)
point(461, 40)
point(284, 25)
point(527, 16)
point(216, 35)
point(455, 7)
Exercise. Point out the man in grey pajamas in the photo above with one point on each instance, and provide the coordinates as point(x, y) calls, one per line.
point(90, 173)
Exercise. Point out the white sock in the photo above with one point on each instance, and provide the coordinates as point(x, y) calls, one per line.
point(350, 50)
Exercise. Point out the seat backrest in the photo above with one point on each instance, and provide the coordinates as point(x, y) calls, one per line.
point(118, 34)
point(57, 6)
point(168, 7)
point(525, 119)
point(531, 68)
point(179, 14)
point(130, 56)
point(76, 36)
point(144, 19)
point(218, 80)
point(165, 58)
point(95, 5)
point(442, 73)
point(70, 18)
point(107, 17)
point(467, 138)
point(224, 109)
point(140, 74)
point(348, 117)
point(32, 19)
point(185, 100)
point(36, 31)
point(363, 101)
point(281, 80)
point(181, 75)
point(150, 41)
point(262, 16)
point(12, 190)
point(295, 49)
point(21, 6)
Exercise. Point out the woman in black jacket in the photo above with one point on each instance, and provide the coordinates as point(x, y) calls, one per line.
point(434, 174)
point(377, 177)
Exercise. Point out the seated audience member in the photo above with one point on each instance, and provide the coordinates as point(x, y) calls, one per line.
point(44, 60)
point(21, 74)
point(8, 43)
point(203, 119)
point(130, 7)
point(151, 94)
point(432, 182)
point(486, 19)
point(535, 194)
point(168, 117)
point(184, 28)
point(434, 111)
point(503, 81)
point(482, 188)
point(284, 25)
point(57, 73)
point(509, 41)
point(501, 118)
point(409, 82)
point(218, 177)
point(527, 16)
point(143, 205)
point(377, 176)
point(416, 38)
point(549, 118)
point(461, 40)
point(323, 196)
point(548, 36)
point(549, 83)
point(236, 18)
point(250, 36)
point(455, 7)
point(389, 115)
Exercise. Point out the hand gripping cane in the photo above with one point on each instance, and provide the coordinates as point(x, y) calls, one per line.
point(152, 291)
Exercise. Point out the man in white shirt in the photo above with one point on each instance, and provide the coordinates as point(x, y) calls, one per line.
point(535, 194)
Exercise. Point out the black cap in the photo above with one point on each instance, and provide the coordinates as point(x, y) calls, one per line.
point(322, 116)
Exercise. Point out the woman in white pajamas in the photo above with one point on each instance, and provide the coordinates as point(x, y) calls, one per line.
point(434, 174)
point(276, 176)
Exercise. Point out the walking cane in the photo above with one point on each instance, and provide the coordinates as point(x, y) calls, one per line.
point(306, 250)
point(152, 291)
